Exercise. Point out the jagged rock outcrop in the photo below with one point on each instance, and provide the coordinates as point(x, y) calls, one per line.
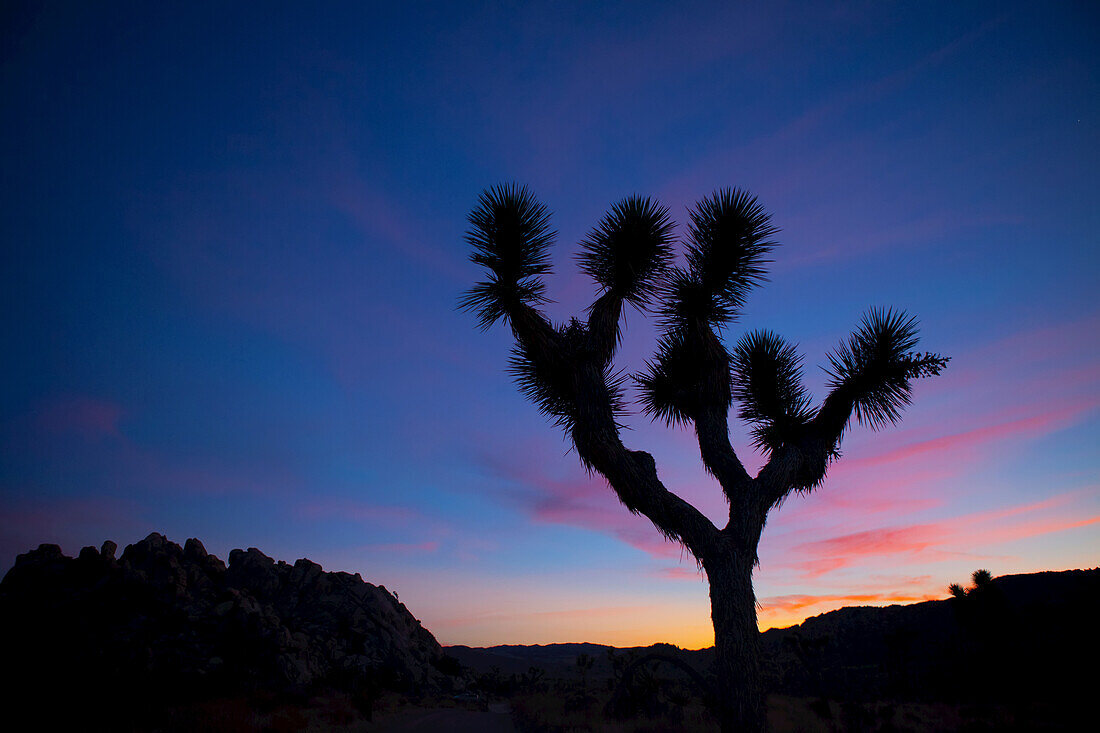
point(161, 615)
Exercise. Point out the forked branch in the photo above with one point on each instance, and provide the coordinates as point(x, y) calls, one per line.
point(871, 378)
point(567, 371)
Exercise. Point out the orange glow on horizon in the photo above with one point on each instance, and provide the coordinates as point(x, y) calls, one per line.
point(639, 626)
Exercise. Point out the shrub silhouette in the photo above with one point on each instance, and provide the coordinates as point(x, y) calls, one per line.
point(693, 380)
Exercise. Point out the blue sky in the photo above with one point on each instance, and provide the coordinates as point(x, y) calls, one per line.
point(233, 251)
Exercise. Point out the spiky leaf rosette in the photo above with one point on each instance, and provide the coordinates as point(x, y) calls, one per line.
point(767, 382)
point(689, 372)
point(728, 242)
point(551, 384)
point(685, 304)
point(510, 235)
point(877, 366)
point(666, 386)
point(548, 386)
point(630, 249)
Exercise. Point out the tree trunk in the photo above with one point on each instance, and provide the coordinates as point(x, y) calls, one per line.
point(739, 692)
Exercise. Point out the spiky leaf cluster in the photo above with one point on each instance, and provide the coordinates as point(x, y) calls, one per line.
point(551, 383)
point(728, 242)
point(666, 388)
point(630, 249)
point(548, 385)
point(875, 364)
point(510, 235)
point(926, 364)
point(767, 382)
point(690, 371)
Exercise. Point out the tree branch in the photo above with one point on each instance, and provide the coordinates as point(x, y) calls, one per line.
point(633, 477)
point(716, 451)
point(604, 333)
point(872, 373)
point(595, 433)
point(531, 329)
point(801, 464)
point(711, 414)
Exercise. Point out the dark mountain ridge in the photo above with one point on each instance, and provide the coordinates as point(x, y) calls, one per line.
point(1021, 636)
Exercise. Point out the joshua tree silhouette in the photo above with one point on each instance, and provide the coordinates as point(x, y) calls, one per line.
point(981, 581)
point(693, 380)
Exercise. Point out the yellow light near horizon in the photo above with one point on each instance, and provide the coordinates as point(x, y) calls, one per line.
point(621, 626)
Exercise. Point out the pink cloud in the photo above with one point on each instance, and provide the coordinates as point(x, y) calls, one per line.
point(1015, 511)
point(1027, 427)
point(1031, 529)
point(777, 610)
point(837, 552)
point(798, 602)
point(937, 540)
point(874, 486)
point(88, 417)
point(380, 216)
point(204, 476)
point(609, 612)
point(678, 573)
point(411, 524)
point(403, 548)
point(607, 517)
point(361, 511)
point(867, 494)
point(583, 501)
point(114, 459)
point(1054, 343)
point(25, 524)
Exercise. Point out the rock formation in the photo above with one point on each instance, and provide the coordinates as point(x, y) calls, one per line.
point(165, 617)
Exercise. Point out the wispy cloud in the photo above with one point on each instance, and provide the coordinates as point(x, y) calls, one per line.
point(27, 523)
point(386, 220)
point(91, 418)
point(84, 436)
point(837, 552)
point(961, 442)
point(679, 573)
point(578, 501)
point(788, 609)
point(401, 548)
point(361, 511)
point(787, 604)
point(934, 541)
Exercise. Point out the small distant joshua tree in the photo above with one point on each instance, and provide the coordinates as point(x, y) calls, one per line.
point(693, 380)
point(981, 581)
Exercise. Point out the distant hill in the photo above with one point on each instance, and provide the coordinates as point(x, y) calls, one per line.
point(1019, 639)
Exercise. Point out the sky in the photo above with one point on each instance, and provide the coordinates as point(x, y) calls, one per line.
point(232, 252)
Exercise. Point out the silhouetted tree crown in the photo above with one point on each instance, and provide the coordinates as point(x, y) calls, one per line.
point(629, 255)
point(981, 578)
point(693, 379)
point(981, 582)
